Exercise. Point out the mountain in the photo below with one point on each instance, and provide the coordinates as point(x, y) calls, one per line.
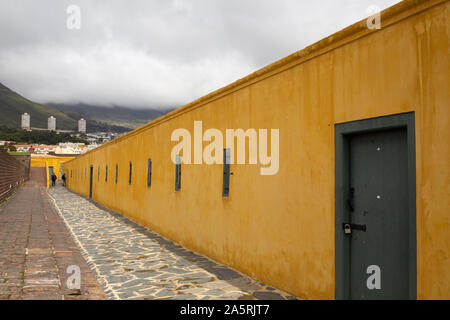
point(99, 119)
point(113, 116)
point(13, 105)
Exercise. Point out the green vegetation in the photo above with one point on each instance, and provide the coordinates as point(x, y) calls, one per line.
point(15, 153)
point(100, 119)
point(41, 137)
point(13, 105)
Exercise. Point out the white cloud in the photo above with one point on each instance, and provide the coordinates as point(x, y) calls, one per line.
point(116, 74)
point(155, 53)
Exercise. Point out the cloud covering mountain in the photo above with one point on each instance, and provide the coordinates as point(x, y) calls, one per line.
point(159, 53)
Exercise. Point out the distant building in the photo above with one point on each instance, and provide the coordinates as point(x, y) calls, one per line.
point(52, 123)
point(61, 149)
point(25, 124)
point(82, 125)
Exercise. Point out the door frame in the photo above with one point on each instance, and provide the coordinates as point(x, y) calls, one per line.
point(342, 133)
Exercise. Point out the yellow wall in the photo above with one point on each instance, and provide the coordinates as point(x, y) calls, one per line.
point(280, 229)
point(49, 161)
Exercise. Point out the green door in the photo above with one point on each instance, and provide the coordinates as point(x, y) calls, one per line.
point(91, 175)
point(378, 213)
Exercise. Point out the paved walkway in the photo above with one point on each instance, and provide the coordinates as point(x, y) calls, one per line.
point(132, 262)
point(36, 249)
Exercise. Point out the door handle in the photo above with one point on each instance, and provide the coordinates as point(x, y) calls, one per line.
point(348, 227)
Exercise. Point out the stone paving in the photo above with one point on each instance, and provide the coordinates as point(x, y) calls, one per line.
point(36, 249)
point(133, 262)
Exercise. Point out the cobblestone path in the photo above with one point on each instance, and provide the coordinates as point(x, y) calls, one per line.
point(36, 249)
point(133, 262)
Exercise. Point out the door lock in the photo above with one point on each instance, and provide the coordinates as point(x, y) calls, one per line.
point(348, 227)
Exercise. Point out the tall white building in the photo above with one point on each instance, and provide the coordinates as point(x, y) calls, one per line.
point(25, 121)
point(52, 123)
point(82, 125)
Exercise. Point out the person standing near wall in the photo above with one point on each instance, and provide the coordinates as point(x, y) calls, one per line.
point(64, 179)
point(54, 179)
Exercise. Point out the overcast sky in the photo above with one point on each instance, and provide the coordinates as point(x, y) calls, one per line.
point(155, 53)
